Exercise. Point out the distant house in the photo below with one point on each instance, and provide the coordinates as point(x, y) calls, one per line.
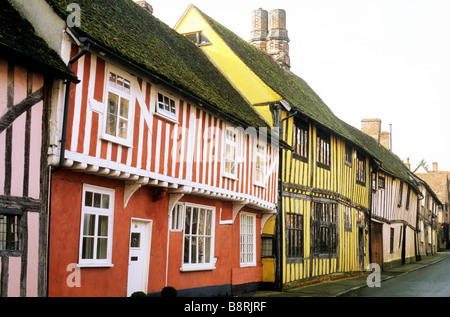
point(395, 198)
point(439, 182)
point(29, 68)
point(165, 175)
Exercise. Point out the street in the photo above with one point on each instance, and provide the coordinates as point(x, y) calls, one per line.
point(431, 281)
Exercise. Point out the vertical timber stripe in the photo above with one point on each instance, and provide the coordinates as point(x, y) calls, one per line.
point(188, 148)
point(22, 92)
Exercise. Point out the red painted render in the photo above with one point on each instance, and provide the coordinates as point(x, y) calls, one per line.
point(66, 202)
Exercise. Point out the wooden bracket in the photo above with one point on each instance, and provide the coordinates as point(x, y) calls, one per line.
point(130, 189)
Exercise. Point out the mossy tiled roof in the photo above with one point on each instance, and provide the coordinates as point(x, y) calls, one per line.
point(19, 40)
point(300, 95)
point(132, 33)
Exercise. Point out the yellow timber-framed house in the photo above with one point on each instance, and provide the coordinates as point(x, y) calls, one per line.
point(322, 225)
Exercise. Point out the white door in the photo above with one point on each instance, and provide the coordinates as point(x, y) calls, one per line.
point(139, 255)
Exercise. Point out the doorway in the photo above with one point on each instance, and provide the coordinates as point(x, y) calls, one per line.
point(361, 246)
point(377, 243)
point(139, 255)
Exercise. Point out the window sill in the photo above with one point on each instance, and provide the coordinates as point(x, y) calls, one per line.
point(123, 142)
point(299, 157)
point(230, 176)
point(260, 185)
point(99, 265)
point(324, 166)
point(197, 268)
point(166, 117)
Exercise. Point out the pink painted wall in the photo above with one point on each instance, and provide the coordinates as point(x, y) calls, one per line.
point(14, 276)
point(3, 105)
point(33, 254)
point(18, 172)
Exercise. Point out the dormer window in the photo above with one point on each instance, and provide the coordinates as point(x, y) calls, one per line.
point(198, 38)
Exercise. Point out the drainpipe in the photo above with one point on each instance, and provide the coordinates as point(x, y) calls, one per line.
point(62, 152)
point(66, 108)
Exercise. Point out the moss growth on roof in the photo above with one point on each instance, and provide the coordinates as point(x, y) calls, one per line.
point(19, 40)
point(132, 33)
point(300, 95)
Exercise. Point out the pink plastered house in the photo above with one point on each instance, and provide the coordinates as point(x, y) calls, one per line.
point(28, 69)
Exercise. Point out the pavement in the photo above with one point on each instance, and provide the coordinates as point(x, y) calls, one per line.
point(341, 284)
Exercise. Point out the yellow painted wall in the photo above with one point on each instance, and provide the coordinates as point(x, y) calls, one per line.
point(268, 264)
point(245, 81)
point(339, 179)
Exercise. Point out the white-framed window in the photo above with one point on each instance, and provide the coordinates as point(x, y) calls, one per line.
point(198, 38)
point(230, 153)
point(260, 163)
point(176, 218)
point(198, 238)
point(247, 239)
point(96, 230)
point(166, 106)
point(119, 105)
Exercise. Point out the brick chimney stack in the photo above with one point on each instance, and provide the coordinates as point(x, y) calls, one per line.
point(435, 167)
point(260, 27)
point(278, 40)
point(269, 34)
point(384, 140)
point(372, 127)
point(407, 163)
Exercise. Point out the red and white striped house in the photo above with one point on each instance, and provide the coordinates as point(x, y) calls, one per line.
point(167, 175)
point(182, 150)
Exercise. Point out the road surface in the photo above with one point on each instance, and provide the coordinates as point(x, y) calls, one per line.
point(431, 281)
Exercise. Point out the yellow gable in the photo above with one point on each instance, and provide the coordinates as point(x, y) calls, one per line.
point(241, 77)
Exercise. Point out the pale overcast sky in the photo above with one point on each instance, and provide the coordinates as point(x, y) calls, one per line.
point(387, 59)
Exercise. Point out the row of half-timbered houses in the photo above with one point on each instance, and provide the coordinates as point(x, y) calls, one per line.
point(184, 158)
point(331, 216)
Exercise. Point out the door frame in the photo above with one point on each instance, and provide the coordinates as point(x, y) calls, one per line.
point(376, 243)
point(147, 247)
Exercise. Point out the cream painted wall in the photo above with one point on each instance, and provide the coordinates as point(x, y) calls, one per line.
point(46, 22)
